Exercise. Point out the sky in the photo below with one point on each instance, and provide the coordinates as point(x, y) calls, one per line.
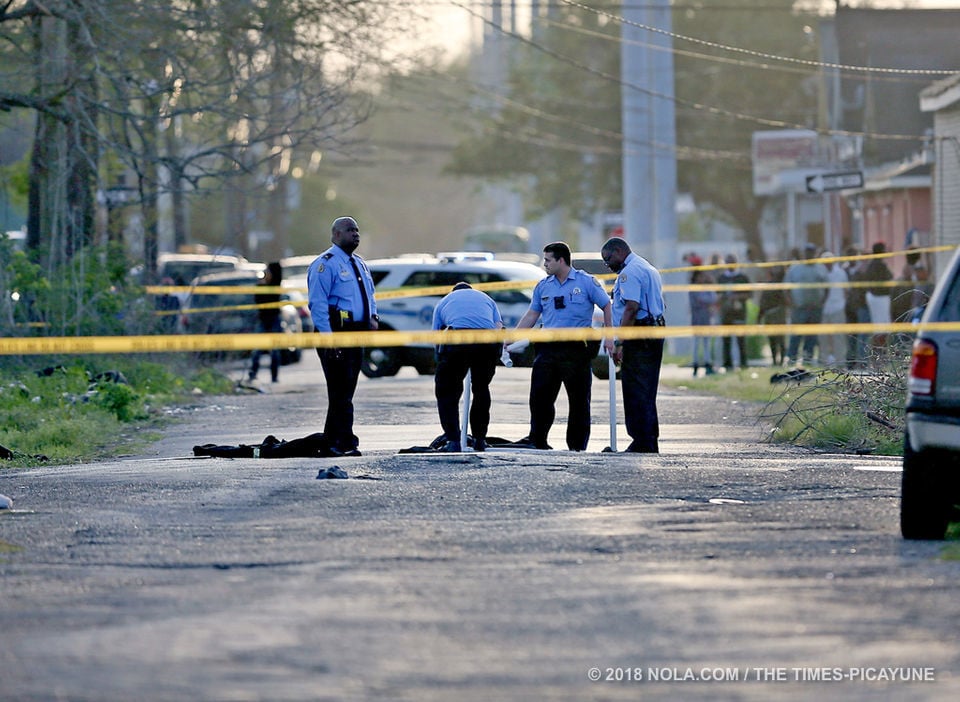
point(450, 26)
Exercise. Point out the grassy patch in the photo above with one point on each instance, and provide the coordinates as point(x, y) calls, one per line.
point(90, 408)
point(828, 410)
point(751, 385)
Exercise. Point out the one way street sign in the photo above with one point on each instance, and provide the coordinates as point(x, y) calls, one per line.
point(834, 181)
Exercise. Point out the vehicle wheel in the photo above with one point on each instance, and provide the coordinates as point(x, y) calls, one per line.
point(289, 356)
point(427, 367)
point(925, 506)
point(380, 362)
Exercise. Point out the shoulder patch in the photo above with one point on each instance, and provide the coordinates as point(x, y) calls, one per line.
point(320, 268)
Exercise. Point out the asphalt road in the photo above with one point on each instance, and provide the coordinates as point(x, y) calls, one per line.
point(724, 568)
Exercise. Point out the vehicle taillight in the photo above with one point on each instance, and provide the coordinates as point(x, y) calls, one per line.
point(923, 368)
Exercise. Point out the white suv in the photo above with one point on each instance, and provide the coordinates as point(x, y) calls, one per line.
point(416, 313)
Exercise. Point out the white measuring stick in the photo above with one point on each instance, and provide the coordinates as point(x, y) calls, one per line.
point(465, 412)
point(612, 370)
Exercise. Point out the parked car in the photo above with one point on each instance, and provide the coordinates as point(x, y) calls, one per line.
point(295, 278)
point(592, 263)
point(416, 313)
point(234, 321)
point(295, 267)
point(931, 449)
point(182, 268)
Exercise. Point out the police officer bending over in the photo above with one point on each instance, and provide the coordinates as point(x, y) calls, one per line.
point(465, 308)
point(340, 290)
point(637, 301)
point(565, 298)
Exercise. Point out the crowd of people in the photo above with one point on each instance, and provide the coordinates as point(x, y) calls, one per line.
point(810, 289)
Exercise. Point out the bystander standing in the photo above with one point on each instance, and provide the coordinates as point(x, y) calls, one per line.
point(805, 301)
point(773, 310)
point(833, 346)
point(733, 310)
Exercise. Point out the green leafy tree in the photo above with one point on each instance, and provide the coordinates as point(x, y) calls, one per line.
point(555, 132)
point(745, 86)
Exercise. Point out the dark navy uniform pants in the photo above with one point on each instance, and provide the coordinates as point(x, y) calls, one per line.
point(453, 362)
point(559, 364)
point(341, 368)
point(640, 376)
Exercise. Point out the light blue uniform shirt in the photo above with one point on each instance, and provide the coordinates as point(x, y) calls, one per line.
point(332, 282)
point(579, 292)
point(638, 281)
point(466, 309)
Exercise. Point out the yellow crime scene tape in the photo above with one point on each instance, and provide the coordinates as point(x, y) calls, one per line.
point(399, 293)
point(248, 342)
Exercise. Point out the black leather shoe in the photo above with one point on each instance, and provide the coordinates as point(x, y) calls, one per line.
point(450, 447)
point(633, 448)
point(527, 442)
point(480, 445)
point(344, 453)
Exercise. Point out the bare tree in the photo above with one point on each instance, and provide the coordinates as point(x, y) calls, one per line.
point(187, 96)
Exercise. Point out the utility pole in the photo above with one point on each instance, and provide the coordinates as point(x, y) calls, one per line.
point(649, 146)
point(649, 132)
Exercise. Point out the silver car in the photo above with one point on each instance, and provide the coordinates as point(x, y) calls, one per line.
point(931, 450)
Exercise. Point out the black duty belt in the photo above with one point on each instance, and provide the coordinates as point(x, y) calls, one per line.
point(651, 321)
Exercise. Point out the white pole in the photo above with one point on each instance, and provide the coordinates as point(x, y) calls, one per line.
point(612, 370)
point(465, 412)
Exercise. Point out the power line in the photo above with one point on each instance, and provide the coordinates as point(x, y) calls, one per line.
point(760, 54)
point(540, 137)
point(709, 109)
point(717, 59)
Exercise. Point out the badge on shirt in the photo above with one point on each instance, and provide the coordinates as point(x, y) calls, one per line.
point(320, 268)
point(577, 291)
point(345, 274)
point(623, 278)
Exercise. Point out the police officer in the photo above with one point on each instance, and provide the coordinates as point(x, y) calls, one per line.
point(565, 298)
point(340, 291)
point(465, 308)
point(637, 301)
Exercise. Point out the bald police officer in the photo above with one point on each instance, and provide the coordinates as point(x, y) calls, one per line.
point(565, 298)
point(340, 291)
point(637, 302)
point(465, 308)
